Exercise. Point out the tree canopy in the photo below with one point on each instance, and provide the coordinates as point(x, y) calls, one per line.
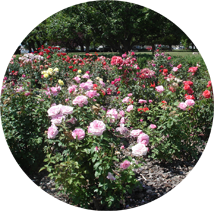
point(120, 25)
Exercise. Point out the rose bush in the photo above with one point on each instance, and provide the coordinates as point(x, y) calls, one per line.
point(77, 111)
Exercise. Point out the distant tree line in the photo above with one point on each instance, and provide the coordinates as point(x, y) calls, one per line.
point(120, 25)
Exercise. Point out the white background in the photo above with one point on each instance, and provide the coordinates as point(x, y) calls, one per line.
point(18, 18)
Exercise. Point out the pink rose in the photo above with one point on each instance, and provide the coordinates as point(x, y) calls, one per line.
point(72, 88)
point(136, 133)
point(122, 147)
point(182, 106)
point(150, 101)
point(122, 120)
point(92, 93)
point(110, 176)
point(175, 69)
point(143, 139)
point(52, 132)
point(125, 100)
point(96, 128)
point(190, 102)
point(123, 130)
point(122, 113)
point(153, 126)
point(130, 108)
point(66, 110)
point(142, 101)
point(77, 79)
point(112, 114)
point(125, 164)
point(159, 89)
point(54, 110)
point(96, 149)
point(57, 119)
point(79, 133)
point(87, 85)
point(130, 94)
point(80, 100)
point(139, 150)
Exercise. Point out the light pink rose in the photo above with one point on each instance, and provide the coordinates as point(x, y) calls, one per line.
point(142, 101)
point(182, 106)
point(20, 89)
point(175, 69)
point(72, 88)
point(143, 139)
point(54, 110)
point(159, 89)
point(113, 114)
point(102, 83)
point(96, 128)
point(130, 94)
point(190, 102)
point(130, 108)
point(123, 130)
point(92, 93)
point(78, 133)
point(122, 113)
point(57, 119)
point(139, 150)
point(125, 100)
point(66, 110)
point(86, 76)
point(150, 101)
point(125, 164)
point(77, 79)
point(80, 100)
point(136, 133)
point(153, 126)
point(52, 132)
point(122, 120)
point(87, 85)
point(110, 176)
point(55, 91)
point(122, 147)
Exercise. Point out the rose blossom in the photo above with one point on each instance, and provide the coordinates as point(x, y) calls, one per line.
point(130, 94)
point(139, 150)
point(57, 119)
point(77, 79)
point(110, 176)
point(143, 139)
point(182, 106)
point(96, 149)
point(52, 132)
point(130, 108)
point(96, 128)
point(175, 69)
point(78, 133)
point(72, 120)
point(159, 89)
point(153, 126)
point(87, 85)
point(80, 100)
point(125, 100)
point(72, 88)
point(122, 120)
point(92, 93)
point(136, 133)
point(142, 101)
point(125, 164)
point(123, 130)
point(190, 102)
point(122, 113)
point(54, 110)
point(206, 94)
point(66, 110)
point(112, 114)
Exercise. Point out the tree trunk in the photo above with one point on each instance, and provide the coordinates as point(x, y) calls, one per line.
point(153, 48)
point(82, 48)
point(170, 47)
point(87, 48)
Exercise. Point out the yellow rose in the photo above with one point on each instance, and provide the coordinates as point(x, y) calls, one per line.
point(56, 70)
point(45, 75)
point(60, 82)
point(79, 71)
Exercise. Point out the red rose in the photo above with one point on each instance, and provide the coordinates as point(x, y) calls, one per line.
point(186, 87)
point(209, 84)
point(41, 53)
point(74, 70)
point(145, 109)
point(206, 94)
point(48, 57)
point(190, 83)
point(70, 67)
point(189, 97)
point(179, 66)
point(118, 92)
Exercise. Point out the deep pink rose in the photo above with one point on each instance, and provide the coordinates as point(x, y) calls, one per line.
point(125, 164)
point(143, 139)
point(78, 133)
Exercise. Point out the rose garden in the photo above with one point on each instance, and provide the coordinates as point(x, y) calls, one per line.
point(90, 123)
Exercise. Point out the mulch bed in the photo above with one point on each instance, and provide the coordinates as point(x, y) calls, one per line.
point(157, 178)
